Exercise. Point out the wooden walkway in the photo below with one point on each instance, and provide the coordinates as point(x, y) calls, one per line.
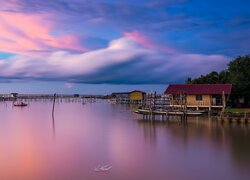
point(222, 117)
point(151, 114)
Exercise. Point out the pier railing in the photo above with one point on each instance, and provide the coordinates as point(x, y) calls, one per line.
point(197, 103)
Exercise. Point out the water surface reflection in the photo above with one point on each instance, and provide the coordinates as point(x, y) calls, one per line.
point(35, 145)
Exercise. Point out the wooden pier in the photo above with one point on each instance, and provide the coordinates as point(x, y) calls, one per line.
point(27, 98)
point(224, 117)
point(151, 114)
point(30, 97)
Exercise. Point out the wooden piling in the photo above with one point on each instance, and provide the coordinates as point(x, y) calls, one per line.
point(53, 108)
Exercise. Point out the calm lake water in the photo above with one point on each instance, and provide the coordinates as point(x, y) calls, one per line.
point(33, 146)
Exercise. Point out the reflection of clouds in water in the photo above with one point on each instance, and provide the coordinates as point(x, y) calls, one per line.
point(105, 133)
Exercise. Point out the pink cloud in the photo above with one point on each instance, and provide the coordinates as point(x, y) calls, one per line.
point(24, 34)
point(139, 38)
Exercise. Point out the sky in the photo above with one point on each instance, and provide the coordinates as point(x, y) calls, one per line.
point(102, 46)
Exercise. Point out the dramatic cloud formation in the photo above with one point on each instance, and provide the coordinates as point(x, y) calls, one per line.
point(123, 61)
point(129, 42)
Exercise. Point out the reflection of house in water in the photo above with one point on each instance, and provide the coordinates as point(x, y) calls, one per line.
point(225, 138)
point(149, 130)
point(199, 95)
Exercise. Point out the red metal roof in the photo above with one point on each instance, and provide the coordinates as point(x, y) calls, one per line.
point(199, 89)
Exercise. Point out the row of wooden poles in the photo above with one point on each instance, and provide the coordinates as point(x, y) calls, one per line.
point(58, 99)
point(224, 117)
point(234, 117)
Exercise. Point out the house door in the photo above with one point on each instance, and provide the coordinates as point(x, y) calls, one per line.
point(217, 100)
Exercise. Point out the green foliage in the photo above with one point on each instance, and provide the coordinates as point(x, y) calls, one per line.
point(211, 78)
point(189, 80)
point(237, 110)
point(237, 73)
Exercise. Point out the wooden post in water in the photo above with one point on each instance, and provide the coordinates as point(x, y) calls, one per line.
point(223, 101)
point(154, 98)
point(54, 100)
point(53, 120)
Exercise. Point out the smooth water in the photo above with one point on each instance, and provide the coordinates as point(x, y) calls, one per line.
point(34, 146)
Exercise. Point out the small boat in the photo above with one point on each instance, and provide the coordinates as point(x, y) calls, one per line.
point(171, 112)
point(188, 112)
point(19, 104)
point(148, 111)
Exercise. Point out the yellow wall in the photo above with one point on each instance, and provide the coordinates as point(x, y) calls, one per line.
point(191, 100)
point(136, 96)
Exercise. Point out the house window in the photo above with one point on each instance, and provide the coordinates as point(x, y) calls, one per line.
point(199, 97)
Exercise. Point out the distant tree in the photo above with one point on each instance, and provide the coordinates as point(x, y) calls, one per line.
point(189, 80)
point(239, 71)
point(224, 77)
point(211, 78)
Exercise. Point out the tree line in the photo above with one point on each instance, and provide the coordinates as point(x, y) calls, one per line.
point(237, 73)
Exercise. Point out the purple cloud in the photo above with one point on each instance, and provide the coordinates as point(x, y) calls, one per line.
point(122, 61)
point(105, 41)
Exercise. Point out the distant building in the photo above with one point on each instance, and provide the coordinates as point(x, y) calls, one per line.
point(14, 95)
point(199, 95)
point(120, 95)
point(137, 95)
point(76, 95)
point(129, 97)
